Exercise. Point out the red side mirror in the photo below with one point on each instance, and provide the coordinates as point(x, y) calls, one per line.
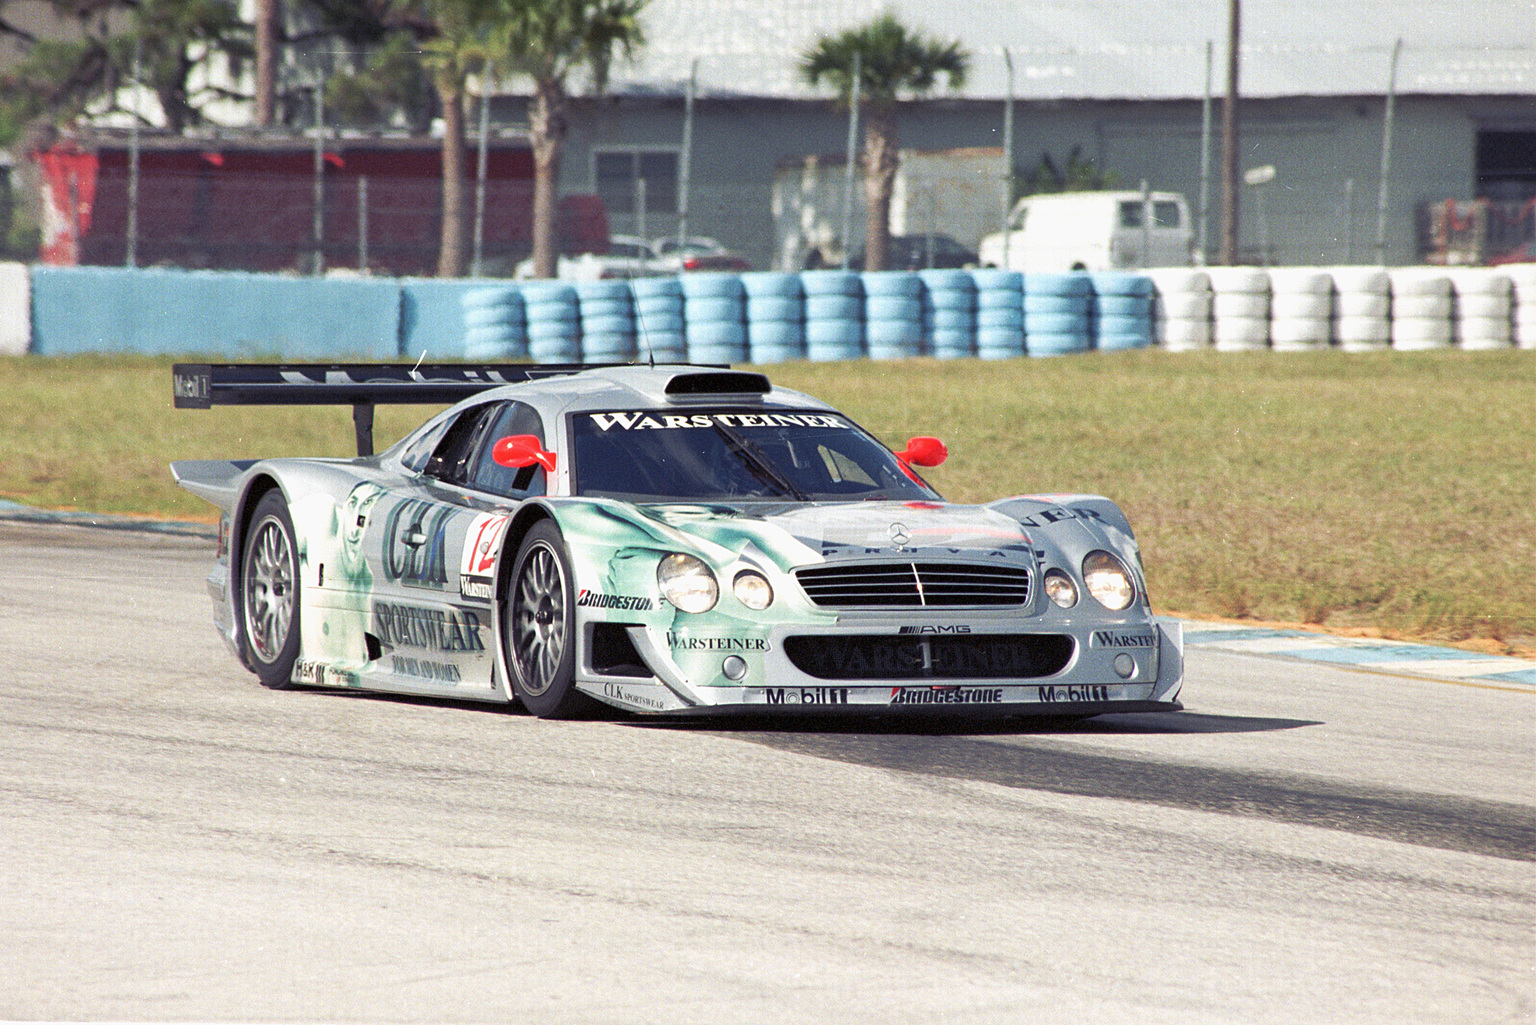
point(923, 451)
point(519, 450)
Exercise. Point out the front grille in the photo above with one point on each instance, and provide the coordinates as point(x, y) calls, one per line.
point(963, 657)
point(914, 584)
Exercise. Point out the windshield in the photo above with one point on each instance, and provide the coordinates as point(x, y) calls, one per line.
point(718, 454)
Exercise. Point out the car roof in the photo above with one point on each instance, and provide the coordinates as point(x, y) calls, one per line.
point(639, 386)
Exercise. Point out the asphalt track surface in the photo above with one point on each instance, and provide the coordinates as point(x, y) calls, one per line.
point(1305, 843)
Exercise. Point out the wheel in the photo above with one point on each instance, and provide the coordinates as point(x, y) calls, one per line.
point(269, 593)
point(540, 627)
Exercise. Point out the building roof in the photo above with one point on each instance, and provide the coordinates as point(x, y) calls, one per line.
point(1109, 49)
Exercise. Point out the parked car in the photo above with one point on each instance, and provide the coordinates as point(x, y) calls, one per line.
point(920, 252)
point(1106, 230)
point(697, 253)
point(627, 257)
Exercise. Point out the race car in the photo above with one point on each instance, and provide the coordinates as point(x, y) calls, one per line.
point(670, 540)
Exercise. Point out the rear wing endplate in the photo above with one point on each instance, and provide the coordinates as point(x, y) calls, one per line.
point(359, 385)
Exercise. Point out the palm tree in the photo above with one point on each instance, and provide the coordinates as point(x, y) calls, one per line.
point(547, 40)
point(892, 62)
point(458, 50)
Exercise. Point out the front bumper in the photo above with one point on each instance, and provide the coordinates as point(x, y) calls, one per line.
point(1127, 666)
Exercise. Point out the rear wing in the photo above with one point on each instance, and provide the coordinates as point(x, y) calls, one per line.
point(359, 385)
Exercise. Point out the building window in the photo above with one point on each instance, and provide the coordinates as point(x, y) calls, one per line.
point(620, 174)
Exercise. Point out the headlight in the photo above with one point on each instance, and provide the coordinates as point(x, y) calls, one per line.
point(1108, 581)
point(687, 583)
point(753, 590)
point(1060, 588)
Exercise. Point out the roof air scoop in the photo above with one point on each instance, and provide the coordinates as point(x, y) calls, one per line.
point(718, 382)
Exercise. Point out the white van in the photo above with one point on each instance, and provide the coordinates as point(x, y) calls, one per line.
point(1093, 231)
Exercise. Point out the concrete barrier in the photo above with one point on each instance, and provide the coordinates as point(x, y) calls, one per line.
point(15, 309)
point(159, 312)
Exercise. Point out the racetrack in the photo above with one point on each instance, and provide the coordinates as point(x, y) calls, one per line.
point(1306, 843)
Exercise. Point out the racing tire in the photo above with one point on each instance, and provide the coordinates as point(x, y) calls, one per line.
point(269, 593)
point(539, 631)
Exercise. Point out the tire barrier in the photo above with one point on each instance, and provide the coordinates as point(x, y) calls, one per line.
point(1300, 309)
point(659, 325)
point(1122, 310)
point(764, 317)
point(893, 314)
point(1421, 309)
point(1181, 308)
point(15, 309)
point(999, 313)
point(715, 318)
point(1057, 313)
point(949, 312)
point(1522, 278)
point(554, 322)
point(607, 312)
point(1362, 307)
point(775, 316)
point(834, 301)
point(1483, 303)
point(495, 324)
point(1239, 309)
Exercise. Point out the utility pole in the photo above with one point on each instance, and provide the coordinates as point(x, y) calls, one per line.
point(1229, 172)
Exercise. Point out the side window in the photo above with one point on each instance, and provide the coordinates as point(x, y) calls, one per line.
point(1165, 214)
point(489, 475)
point(417, 453)
point(1130, 213)
point(453, 458)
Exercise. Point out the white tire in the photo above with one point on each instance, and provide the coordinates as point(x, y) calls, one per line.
point(1361, 304)
point(1179, 279)
point(1178, 335)
point(1241, 334)
point(1300, 280)
point(1480, 281)
point(1415, 306)
point(1238, 279)
point(1413, 281)
point(1361, 279)
point(1285, 305)
point(1483, 332)
point(1184, 305)
point(1362, 334)
point(1300, 332)
point(1416, 333)
point(1482, 304)
point(1522, 279)
point(1240, 304)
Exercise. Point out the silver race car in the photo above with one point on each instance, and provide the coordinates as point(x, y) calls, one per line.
point(672, 540)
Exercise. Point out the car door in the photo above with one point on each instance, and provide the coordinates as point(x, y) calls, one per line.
point(433, 605)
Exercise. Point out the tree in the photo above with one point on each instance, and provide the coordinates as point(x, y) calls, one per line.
point(61, 79)
point(547, 40)
point(893, 62)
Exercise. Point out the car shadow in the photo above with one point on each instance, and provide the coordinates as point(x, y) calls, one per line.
point(1102, 725)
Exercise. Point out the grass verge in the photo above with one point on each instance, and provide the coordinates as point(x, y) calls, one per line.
point(1392, 493)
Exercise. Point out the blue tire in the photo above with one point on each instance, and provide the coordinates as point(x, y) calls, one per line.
point(624, 307)
point(597, 291)
point(953, 344)
point(891, 282)
point(1123, 326)
point(672, 321)
point(659, 305)
point(492, 316)
point(554, 350)
point(950, 320)
point(830, 282)
point(1121, 283)
point(1056, 344)
point(771, 284)
point(552, 312)
point(1057, 284)
point(1012, 320)
point(655, 288)
point(775, 333)
point(712, 285)
point(999, 343)
point(893, 307)
point(833, 307)
point(1057, 324)
point(714, 308)
point(715, 333)
point(989, 280)
point(607, 325)
point(1051, 304)
point(937, 280)
point(1123, 305)
point(487, 344)
point(835, 333)
point(775, 353)
point(547, 292)
point(717, 353)
point(661, 346)
point(775, 307)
